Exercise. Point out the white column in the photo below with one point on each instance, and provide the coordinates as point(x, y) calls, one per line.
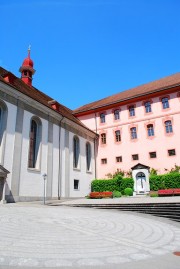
point(3, 201)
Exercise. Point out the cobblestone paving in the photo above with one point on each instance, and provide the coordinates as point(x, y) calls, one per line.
point(76, 237)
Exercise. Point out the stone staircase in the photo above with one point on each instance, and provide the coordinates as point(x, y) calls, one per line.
point(166, 210)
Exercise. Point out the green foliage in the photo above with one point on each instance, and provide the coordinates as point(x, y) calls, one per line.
point(175, 169)
point(116, 184)
point(153, 172)
point(126, 183)
point(154, 195)
point(101, 185)
point(166, 181)
point(128, 192)
point(116, 194)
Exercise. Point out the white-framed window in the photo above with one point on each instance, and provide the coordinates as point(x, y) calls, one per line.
point(118, 136)
point(133, 133)
point(150, 130)
point(35, 137)
point(165, 102)
point(103, 138)
point(76, 151)
point(88, 156)
point(168, 126)
point(116, 114)
point(131, 111)
point(102, 118)
point(148, 107)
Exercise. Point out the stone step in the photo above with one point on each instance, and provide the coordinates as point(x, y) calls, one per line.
point(170, 211)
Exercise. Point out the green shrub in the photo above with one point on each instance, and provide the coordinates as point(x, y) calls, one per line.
point(153, 194)
point(115, 184)
point(116, 194)
point(126, 183)
point(128, 192)
point(166, 181)
point(101, 185)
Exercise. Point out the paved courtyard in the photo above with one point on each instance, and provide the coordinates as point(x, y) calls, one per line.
point(37, 236)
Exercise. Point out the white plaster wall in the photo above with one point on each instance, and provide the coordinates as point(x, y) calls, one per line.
point(55, 160)
point(81, 174)
point(9, 141)
point(62, 163)
point(31, 180)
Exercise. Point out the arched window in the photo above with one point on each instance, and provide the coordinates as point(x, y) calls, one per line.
point(34, 143)
point(118, 136)
point(133, 133)
point(165, 102)
point(168, 127)
point(76, 151)
point(150, 130)
point(3, 123)
point(88, 156)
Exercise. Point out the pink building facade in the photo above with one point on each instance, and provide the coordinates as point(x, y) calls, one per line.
point(141, 125)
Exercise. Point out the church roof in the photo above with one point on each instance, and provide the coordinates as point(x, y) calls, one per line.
point(142, 90)
point(37, 95)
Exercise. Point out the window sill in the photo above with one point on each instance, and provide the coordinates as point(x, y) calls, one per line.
point(89, 172)
point(33, 170)
point(76, 169)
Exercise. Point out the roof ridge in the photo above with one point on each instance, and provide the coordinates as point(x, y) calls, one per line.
point(130, 93)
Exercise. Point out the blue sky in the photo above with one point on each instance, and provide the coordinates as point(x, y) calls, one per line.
point(85, 50)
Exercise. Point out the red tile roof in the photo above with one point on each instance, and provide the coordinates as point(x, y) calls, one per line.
point(152, 87)
point(37, 95)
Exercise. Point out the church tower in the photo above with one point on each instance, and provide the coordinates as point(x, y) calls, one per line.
point(27, 70)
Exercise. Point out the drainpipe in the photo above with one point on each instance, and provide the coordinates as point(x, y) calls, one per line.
point(59, 171)
point(95, 147)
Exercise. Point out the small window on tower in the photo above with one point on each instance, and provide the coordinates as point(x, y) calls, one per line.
point(25, 73)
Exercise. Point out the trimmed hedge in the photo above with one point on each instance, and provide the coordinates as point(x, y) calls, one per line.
point(100, 185)
point(116, 184)
point(166, 181)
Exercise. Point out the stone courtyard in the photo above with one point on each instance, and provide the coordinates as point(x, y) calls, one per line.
point(37, 236)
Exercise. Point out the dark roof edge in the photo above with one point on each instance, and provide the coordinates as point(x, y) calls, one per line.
point(126, 99)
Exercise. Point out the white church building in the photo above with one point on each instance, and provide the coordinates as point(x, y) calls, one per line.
point(39, 136)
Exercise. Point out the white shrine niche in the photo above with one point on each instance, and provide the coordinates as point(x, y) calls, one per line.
point(140, 174)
